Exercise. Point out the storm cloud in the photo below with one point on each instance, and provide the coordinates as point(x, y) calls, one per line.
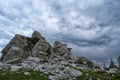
point(90, 27)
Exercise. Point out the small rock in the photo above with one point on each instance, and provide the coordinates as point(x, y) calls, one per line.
point(63, 75)
point(73, 72)
point(1, 65)
point(33, 59)
point(16, 68)
point(26, 73)
point(6, 66)
point(53, 77)
point(112, 70)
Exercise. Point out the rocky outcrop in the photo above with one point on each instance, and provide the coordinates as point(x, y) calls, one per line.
point(21, 47)
point(84, 61)
point(62, 49)
point(15, 48)
point(36, 53)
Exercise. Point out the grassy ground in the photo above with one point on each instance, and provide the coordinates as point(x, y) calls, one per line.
point(19, 75)
point(98, 75)
point(37, 75)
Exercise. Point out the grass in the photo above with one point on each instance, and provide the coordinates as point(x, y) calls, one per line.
point(37, 75)
point(19, 75)
point(97, 75)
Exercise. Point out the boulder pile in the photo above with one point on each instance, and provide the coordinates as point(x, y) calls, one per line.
point(37, 54)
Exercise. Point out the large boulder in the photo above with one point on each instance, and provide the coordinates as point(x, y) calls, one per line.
point(62, 50)
point(36, 36)
point(16, 48)
point(84, 61)
point(41, 48)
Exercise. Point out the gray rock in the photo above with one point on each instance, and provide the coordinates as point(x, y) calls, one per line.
point(41, 48)
point(15, 68)
point(6, 66)
point(27, 73)
point(62, 50)
point(1, 64)
point(33, 59)
point(84, 61)
point(14, 61)
point(63, 75)
point(73, 72)
point(37, 54)
point(17, 47)
point(36, 34)
point(23, 47)
point(53, 77)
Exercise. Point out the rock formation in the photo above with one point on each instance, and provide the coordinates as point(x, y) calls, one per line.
point(84, 61)
point(36, 53)
point(20, 47)
point(62, 49)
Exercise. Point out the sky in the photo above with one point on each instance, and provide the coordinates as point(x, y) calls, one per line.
point(90, 27)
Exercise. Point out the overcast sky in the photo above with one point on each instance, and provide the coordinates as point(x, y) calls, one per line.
point(90, 27)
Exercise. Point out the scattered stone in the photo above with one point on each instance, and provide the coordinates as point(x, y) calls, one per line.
point(112, 70)
point(74, 73)
point(51, 78)
point(1, 65)
point(15, 68)
point(14, 61)
point(6, 66)
point(26, 73)
point(33, 59)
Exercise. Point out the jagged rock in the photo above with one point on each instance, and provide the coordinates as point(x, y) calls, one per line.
point(84, 61)
point(62, 49)
point(40, 46)
point(36, 34)
point(18, 47)
point(15, 48)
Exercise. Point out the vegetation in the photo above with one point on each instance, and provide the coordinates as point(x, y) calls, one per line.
point(19, 75)
point(37, 75)
point(95, 75)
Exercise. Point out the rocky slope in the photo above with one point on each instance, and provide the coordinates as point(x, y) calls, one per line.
point(37, 54)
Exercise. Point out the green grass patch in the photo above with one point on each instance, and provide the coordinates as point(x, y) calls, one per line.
point(19, 75)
